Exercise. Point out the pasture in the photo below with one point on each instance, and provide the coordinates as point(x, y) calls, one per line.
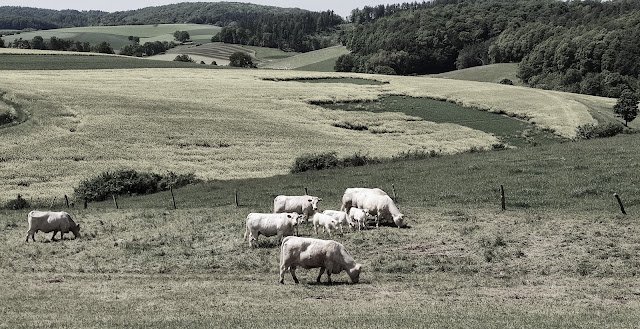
point(559, 257)
point(312, 61)
point(228, 124)
point(117, 36)
point(220, 52)
point(78, 61)
point(486, 73)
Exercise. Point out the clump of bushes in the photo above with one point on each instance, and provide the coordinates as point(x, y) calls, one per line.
point(589, 131)
point(122, 182)
point(328, 160)
point(6, 117)
point(17, 203)
point(416, 155)
point(183, 58)
point(506, 81)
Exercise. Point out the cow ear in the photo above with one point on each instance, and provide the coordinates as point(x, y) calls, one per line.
point(310, 200)
point(289, 216)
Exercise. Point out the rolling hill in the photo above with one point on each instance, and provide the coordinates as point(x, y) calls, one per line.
point(318, 60)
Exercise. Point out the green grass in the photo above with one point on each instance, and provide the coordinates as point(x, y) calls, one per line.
point(559, 257)
point(487, 73)
point(327, 65)
point(510, 130)
point(79, 62)
point(312, 58)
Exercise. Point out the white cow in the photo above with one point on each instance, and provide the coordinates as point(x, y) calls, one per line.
point(381, 206)
point(306, 205)
point(341, 217)
point(269, 225)
point(51, 221)
point(352, 192)
point(359, 217)
point(328, 255)
point(327, 222)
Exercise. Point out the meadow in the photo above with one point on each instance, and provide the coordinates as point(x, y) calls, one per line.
point(118, 36)
point(195, 121)
point(561, 256)
point(220, 52)
point(39, 61)
point(317, 60)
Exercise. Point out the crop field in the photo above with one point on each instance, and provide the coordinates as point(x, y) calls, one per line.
point(559, 257)
point(486, 73)
point(172, 120)
point(117, 36)
point(313, 60)
point(78, 61)
point(220, 52)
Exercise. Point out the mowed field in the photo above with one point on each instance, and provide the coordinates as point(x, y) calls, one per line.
point(117, 36)
point(318, 60)
point(220, 52)
point(227, 124)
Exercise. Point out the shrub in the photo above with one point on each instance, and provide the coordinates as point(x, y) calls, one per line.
point(183, 58)
point(122, 182)
point(318, 161)
point(350, 126)
point(589, 131)
point(17, 203)
point(241, 59)
point(6, 117)
point(358, 160)
point(506, 81)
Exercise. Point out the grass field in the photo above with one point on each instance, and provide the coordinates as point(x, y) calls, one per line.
point(220, 52)
point(82, 119)
point(487, 73)
point(117, 36)
point(559, 257)
point(313, 61)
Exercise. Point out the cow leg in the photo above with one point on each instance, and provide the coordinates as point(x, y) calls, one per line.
point(329, 277)
point(61, 235)
point(53, 237)
point(320, 274)
point(292, 270)
point(378, 220)
point(282, 269)
point(28, 234)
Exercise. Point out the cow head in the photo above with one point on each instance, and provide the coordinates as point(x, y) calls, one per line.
point(76, 231)
point(354, 273)
point(313, 201)
point(399, 220)
point(296, 218)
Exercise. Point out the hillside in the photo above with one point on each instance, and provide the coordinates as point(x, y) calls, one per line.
point(577, 46)
point(323, 59)
point(486, 73)
point(205, 131)
point(220, 52)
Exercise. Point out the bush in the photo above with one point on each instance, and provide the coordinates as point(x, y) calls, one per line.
point(241, 59)
point(350, 126)
point(121, 182)
point(6, 117)
point(17, 203)
point(358, 160)
point(506, 81)
point(183, 58)
point(589, 131)
point(318, 161)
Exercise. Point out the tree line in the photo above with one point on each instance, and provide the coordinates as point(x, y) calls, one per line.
point(55, 43)
point(578, 46)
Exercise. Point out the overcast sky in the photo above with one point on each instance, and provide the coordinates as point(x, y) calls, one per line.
point(341, 7)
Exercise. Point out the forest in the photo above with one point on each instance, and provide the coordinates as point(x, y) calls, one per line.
point(579, 46)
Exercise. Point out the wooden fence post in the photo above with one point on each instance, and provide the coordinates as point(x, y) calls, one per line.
point(66, 200)
point(502, 198)
point(620, 203)
point(86, 203)
point(393, 189)
point(236, 199)
point(305, 191)
point(115, 200)
point(173, 197)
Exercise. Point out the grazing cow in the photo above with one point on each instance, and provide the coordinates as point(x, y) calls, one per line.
point(269, 225)
point(51, 221)
point(327, 222)
point(350, 194)
point(341, 217)
point(382, 207)
point(302, 204)
point(328, 255)
point(359, 217)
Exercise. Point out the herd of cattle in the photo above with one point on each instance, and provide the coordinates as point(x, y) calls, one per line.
point(358, 206)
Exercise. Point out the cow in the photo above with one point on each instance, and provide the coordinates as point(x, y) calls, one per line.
point(341, 217)
point(327, 222)
point(380, 206)
point(328, 255)
point(306, 205)
point(359, 216)
point(269, 225)
point(51, 221)
point(351, 193)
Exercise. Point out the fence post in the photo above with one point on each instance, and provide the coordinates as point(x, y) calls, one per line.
point(620, 203)
point(236, 199)
point(393, 189)
point(86, 203)
point(66, 200)
point(502, 198)
point(52, 202)
point(173, 197)
point(115, 200)
point(305, 191)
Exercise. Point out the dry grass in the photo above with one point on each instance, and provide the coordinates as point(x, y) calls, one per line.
point(307, 58)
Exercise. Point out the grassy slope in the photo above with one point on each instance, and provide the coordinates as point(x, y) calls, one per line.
point(117, 36)
point(560, 257)
point(309, 58)
point(487, 73)
point(220, 52)
point(81, 122)
point(80, 62)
